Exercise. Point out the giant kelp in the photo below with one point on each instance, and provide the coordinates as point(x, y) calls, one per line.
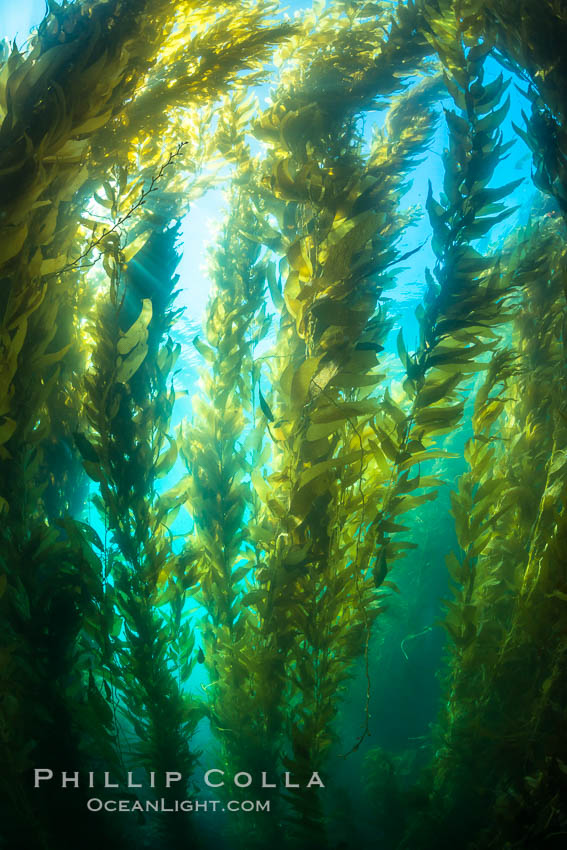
point(301, 458)
point(65, 136)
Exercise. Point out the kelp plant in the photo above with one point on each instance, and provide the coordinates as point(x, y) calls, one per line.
point(76, 109)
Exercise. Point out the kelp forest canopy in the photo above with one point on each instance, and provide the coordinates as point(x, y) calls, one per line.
point(260, 585)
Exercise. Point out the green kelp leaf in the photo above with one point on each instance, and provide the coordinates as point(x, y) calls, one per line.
point(493, 120)
point(48, 360)
point(392, 585)
point(485, 197)
point(481, 226)
point(86, 448)
point(167, 459)
point(137, 334)
point(12, 240)
point(434, 418)
point(341, 411)
point(436, 390)
point(80, 535)
point(321, 468)
point(402, 351)
point(265, 407)
point(204, 350)
point(93, 470)
point(490, 94)
point(455, 91)
point(254, 597)
point(7, 428)
point(176, 495)
point(275, 291)
point(422, 457)
point(171, 592)
point(352, 380)
point(129, 365)
point(320, 431)
point(90, 534)
point(301, 381)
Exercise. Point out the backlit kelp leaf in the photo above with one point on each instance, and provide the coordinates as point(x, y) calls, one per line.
point(265, 407)
point(308, 475)
point(275, 290)
point(167, 459)
point(130, 250)
point(299, 259)
point(434, 391)
point(128, 366)
point(402, 352)
point(486, 97)
point(435, 418)
point(137, 334)
point(317, 432)
point(483, 225)
point(344, 410)
point(421, 457)
point(493, 120)
point(303, 379)
point(352, 381)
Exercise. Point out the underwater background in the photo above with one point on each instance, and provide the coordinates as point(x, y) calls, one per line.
point(283, 424)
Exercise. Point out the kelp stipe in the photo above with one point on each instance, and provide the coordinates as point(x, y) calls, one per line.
point(68, 98)
point(246, 677)
point(128, 403)
point(498, 756)
point(337, 225)
point(497, 729)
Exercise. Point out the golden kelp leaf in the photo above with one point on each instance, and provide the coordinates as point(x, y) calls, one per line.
point(284, 182)
point(175, 495)
point(341, 411)
point(301, 381)
point(136, 245)
point(325, 466)
point(128, 366)
point(137, 334)
point(299, 260)
point(422, 457)
point(204, 350)
point(439, 418)
point(260, 484)
point(351, 380)
point(92, 123)
point(436, 390)
point(317, 431)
